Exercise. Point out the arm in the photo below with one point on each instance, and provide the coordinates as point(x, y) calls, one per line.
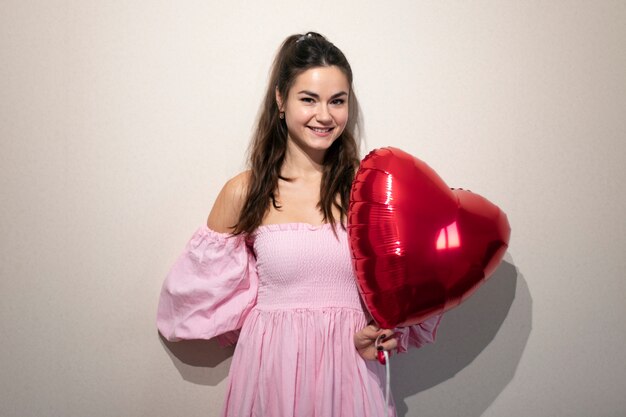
point(212, 286)
point(228, 204)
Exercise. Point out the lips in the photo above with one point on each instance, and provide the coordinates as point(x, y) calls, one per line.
point(321, 130)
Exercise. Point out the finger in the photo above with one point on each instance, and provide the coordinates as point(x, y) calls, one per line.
point(365, 337)
point(371, 331)
point(389, 344)
point(388, 340)
point(386, 334)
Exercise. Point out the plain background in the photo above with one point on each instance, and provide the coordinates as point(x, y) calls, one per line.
point(121, 120)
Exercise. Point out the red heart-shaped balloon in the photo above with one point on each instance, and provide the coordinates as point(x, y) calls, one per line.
point(419, 247)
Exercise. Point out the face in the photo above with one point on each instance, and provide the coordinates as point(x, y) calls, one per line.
point(316, 108)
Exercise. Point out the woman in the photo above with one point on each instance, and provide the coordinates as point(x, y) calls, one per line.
point(272, 269)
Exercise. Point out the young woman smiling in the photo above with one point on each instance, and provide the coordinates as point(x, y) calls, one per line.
point(272, 271)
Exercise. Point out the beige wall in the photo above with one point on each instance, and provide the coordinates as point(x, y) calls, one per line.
point(121, 120)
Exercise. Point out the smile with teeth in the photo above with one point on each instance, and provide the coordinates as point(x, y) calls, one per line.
point(321, 129)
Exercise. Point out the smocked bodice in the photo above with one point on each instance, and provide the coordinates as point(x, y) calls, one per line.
point(304, 266)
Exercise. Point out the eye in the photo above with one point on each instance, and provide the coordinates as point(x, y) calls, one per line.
point(307, 100)
point(338, 101)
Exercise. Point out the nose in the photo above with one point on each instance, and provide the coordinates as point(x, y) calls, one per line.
point(323, 115)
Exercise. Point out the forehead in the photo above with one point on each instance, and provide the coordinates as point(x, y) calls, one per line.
point(322, 81)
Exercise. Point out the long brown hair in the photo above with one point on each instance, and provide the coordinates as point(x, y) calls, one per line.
point(297, 54)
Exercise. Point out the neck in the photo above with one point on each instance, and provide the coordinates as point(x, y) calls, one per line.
point(300, 163)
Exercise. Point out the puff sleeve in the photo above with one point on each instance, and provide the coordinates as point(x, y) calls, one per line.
point(210, 289)
point(417, 335)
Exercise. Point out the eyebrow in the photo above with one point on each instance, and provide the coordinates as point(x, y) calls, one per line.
point(312, 94)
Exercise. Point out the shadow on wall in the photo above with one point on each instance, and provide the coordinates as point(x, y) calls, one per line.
point(479, 343)
point(202, 362)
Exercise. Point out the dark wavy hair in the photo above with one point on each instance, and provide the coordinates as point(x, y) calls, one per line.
point(297, 54)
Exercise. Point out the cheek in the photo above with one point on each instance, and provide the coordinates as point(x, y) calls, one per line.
point(342, 118)
point(301, 116)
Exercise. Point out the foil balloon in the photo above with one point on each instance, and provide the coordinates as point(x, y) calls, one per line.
point(419, 247)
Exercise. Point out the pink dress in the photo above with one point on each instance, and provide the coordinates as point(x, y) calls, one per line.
point(287, 296)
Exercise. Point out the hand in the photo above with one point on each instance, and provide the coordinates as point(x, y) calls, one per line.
point(365, 339)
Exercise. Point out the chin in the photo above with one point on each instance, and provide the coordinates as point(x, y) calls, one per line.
point(321, 146)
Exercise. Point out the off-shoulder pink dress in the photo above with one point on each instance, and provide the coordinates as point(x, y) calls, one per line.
point(287, 296)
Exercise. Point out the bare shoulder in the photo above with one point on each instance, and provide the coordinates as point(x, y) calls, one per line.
point(237, 187)
point(227, 206)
